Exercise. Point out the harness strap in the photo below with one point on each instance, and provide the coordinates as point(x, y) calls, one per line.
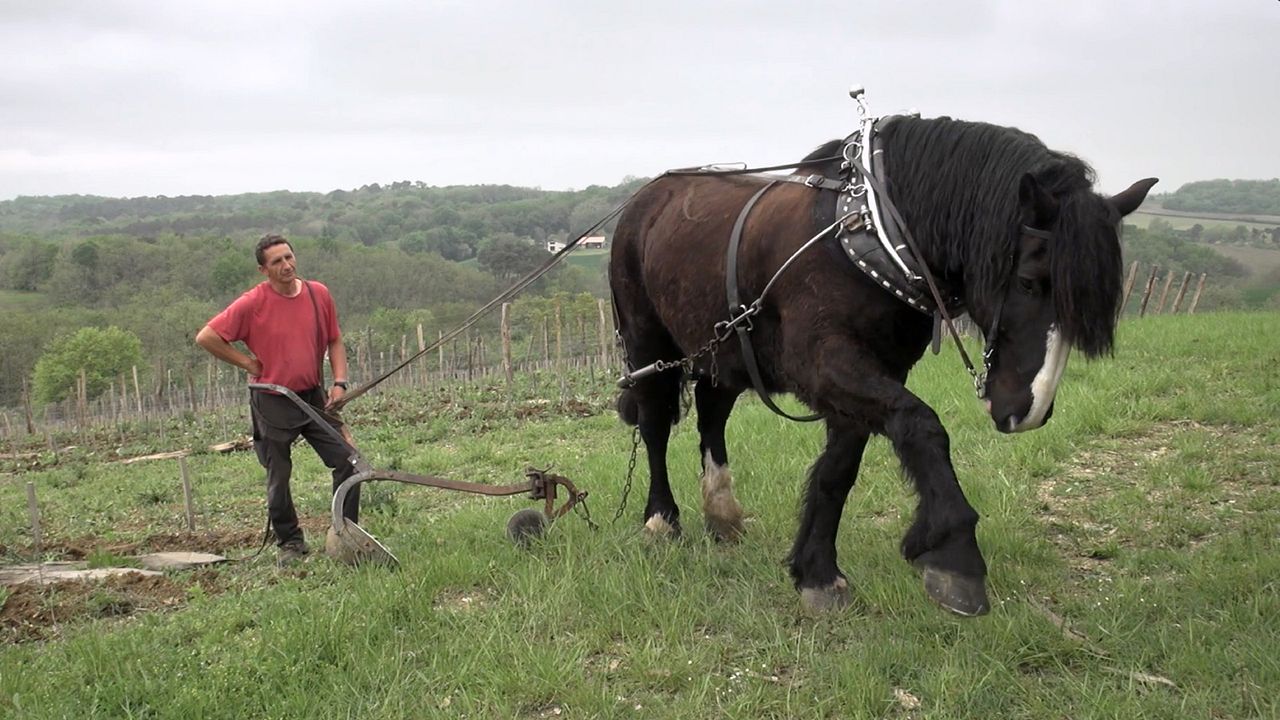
point(736, 307)
point(883, 196)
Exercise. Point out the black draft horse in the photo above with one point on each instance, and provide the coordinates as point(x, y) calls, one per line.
point(843, 346)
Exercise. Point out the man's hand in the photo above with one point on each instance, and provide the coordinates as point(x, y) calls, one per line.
point(255, 367)
point(336, 393)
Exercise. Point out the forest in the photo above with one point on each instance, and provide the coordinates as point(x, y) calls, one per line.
point(114, 283)
point(1260, 197)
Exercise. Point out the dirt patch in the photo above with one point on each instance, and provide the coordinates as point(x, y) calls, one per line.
point(34, 612)
point(463, 600)
point(1149, 474)
point(215, 540)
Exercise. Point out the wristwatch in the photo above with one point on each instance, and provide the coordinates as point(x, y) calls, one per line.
point(340, 383)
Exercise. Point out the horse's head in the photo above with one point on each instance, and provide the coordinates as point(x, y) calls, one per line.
point(1063, 291)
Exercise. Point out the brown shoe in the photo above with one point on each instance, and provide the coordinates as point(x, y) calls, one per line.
point(292, 553)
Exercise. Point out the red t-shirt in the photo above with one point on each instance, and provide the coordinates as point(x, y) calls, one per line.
point(282, 332)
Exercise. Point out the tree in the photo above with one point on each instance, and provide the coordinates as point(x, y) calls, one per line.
point(28, 266)
point(508, 258)
point(103, 355)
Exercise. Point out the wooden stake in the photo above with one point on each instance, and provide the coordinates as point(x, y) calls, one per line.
point(1146, 294)
point(1196, 299)
point(186, 494)
point(604, 335)
point(560, 369)
point(1128, 284)
point(137, 390)
point(1168, 280)
point(82, 406)
point(506, 347)
point(1182, 290)
point(26, 407)
point(34, 510)
point(422, 366)
point(191, 388)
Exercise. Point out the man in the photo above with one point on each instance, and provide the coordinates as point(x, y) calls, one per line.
point(287, 323)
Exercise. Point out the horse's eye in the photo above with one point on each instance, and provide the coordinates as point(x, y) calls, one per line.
point(1027, 286)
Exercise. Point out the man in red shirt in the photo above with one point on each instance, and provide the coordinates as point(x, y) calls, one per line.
point(288, 324)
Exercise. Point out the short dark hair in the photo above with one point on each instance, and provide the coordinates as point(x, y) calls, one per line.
point(260, 253)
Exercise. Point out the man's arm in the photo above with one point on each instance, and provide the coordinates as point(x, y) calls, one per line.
point(210, 340)
point(338, 362)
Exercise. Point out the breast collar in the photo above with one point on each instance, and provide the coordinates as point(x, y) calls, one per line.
point(874, 243)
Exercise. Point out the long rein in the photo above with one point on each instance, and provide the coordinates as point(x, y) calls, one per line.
point(722, 329)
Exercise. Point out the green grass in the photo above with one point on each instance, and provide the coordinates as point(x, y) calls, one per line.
point(1183, 222)
point(1143, 516)
point(18, 300)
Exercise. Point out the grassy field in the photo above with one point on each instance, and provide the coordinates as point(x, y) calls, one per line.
point(1133, 544)
point(17, 300)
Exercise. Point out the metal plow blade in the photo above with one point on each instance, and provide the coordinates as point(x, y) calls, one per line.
point(352, 545)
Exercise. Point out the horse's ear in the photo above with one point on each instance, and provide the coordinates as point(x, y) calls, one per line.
point(1129, 200)
point(1033, 197)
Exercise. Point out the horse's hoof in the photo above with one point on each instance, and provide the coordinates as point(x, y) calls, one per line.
point(725, 530)
point(962, 595)
point(659, 527)
point(820, 600)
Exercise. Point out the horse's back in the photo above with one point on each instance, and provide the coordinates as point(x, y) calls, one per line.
point(669, 252)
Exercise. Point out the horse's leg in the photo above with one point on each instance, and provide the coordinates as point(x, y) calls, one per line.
point(720, 509)
point(656, 408)
point(942, 541)
point(813, 557)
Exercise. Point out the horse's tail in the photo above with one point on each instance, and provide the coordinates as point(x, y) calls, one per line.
point(628, 407)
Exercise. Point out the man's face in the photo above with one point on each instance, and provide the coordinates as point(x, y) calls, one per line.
point(280, 264)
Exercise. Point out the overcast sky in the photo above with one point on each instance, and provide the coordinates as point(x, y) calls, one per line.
point(178, 98)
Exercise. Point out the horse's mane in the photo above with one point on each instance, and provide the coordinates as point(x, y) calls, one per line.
point(956, 184)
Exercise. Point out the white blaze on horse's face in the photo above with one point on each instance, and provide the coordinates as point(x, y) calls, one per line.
point(1045, 385)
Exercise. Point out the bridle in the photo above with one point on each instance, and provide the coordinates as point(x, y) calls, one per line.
point(989, 348)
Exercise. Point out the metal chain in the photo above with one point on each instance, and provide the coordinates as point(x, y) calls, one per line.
point(686, 363)
point(631, 470)
point(580, 507)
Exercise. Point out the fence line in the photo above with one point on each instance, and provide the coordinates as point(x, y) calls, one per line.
point(550, 342)
point(219, 393)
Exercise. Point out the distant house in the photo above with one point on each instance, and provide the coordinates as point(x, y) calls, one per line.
point(593, 242)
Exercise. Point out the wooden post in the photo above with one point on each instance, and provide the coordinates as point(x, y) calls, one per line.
point(470, 354)
point(404, 355)
point(186, 494)
point(1164, 294)
point(1182, 290)
point(546, 351)
point(1195, 300)
point(191, 388)
point(440, 349)
point(1128, 284)
point(1146, 294)
point(208, 384)
point(137, 390)
point(26, 407)
point(34, 510)
point(422, 366)
point(82, 406)
point(604, 335)
point(560, 369)
point(506, 347)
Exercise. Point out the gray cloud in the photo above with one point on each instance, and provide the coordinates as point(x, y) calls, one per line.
point(145, 98)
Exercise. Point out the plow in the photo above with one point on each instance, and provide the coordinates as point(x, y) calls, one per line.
point(352, 544)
